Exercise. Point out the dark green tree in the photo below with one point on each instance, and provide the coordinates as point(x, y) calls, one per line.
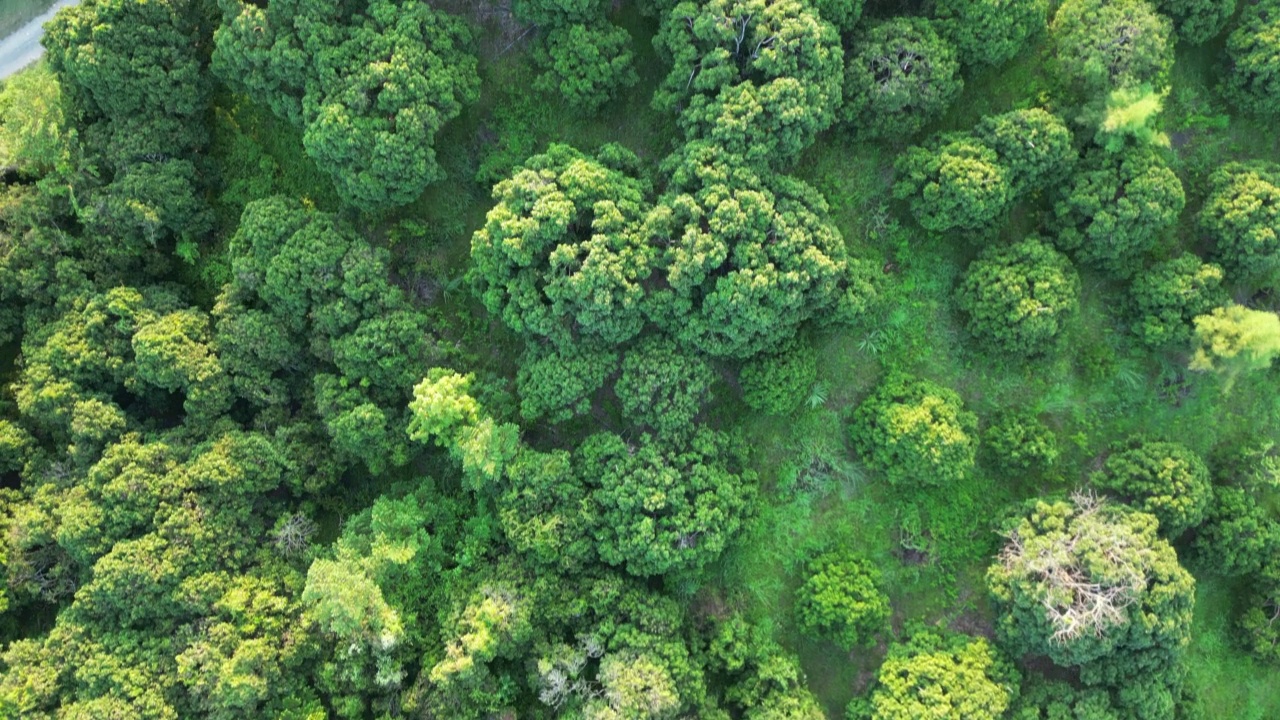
point(558, 384)
point(661, 387)
point(1162, 478)
point(1021, 444)
point(1198, 21)
point(1018, 297)
point(990, 32)
point(1103, 46)
point(957, 184)
point(1238, 536)
point(1117, 207)
point(746, 259)
point(1242, 216)
point(559, 255)
point(370, 124)
point(777, 383)
point(759, 77)
point(1169, 296)
point(586, 65)
point(1253, 71)
point(900, 76)
point(661, 507)
point(1033, 145)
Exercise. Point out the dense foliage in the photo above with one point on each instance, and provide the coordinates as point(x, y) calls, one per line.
point(640, 360)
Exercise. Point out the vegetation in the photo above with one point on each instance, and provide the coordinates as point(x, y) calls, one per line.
point(653, 359)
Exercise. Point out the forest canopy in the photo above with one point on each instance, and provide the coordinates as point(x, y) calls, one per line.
point(641, 360)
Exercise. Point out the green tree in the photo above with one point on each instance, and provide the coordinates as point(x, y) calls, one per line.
point(1162, 478)
point(661, 507)
point(938, 674)
point(1198, 21)
point(842, 599)
point(370, 125)
point(558, 13)
point(661, 387)
point(33, 130)
point(777, 383)
point(1018, 297)
point(1252, 79)
point(1057, 700)
point(1242, 216)
point(1169, 296)
point(900, 77)
point(746, 259)
point(1258, 627)
point(1034, 146)
point(558, 384)
point(990, 32)
point(1117, 207)
point(1092, 585)
point(760, 77)
point(1102, 46)
point(844, 14)
point(1234, 339)
point(915, 431)
point(1238, 536)
point(958, 184)
point(559, 255)
point(586, 65)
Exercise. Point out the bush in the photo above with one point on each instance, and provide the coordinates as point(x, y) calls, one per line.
point(1165, 479)
point(1258, 627)
point(913, 430)
point(776, 383)
point(1242, 216)
point(1169, 296)
point(900, 77)
point(1018, 297)
point(1021, 444)
point(841, 599)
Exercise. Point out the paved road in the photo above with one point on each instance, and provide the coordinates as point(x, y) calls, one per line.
point(22, 47)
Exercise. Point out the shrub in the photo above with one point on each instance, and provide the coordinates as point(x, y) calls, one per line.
point(1021, 444)
point(913, 430)
point(841, 599)
point(776, 383)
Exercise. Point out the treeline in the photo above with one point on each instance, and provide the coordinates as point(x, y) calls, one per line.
point(250, 471)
